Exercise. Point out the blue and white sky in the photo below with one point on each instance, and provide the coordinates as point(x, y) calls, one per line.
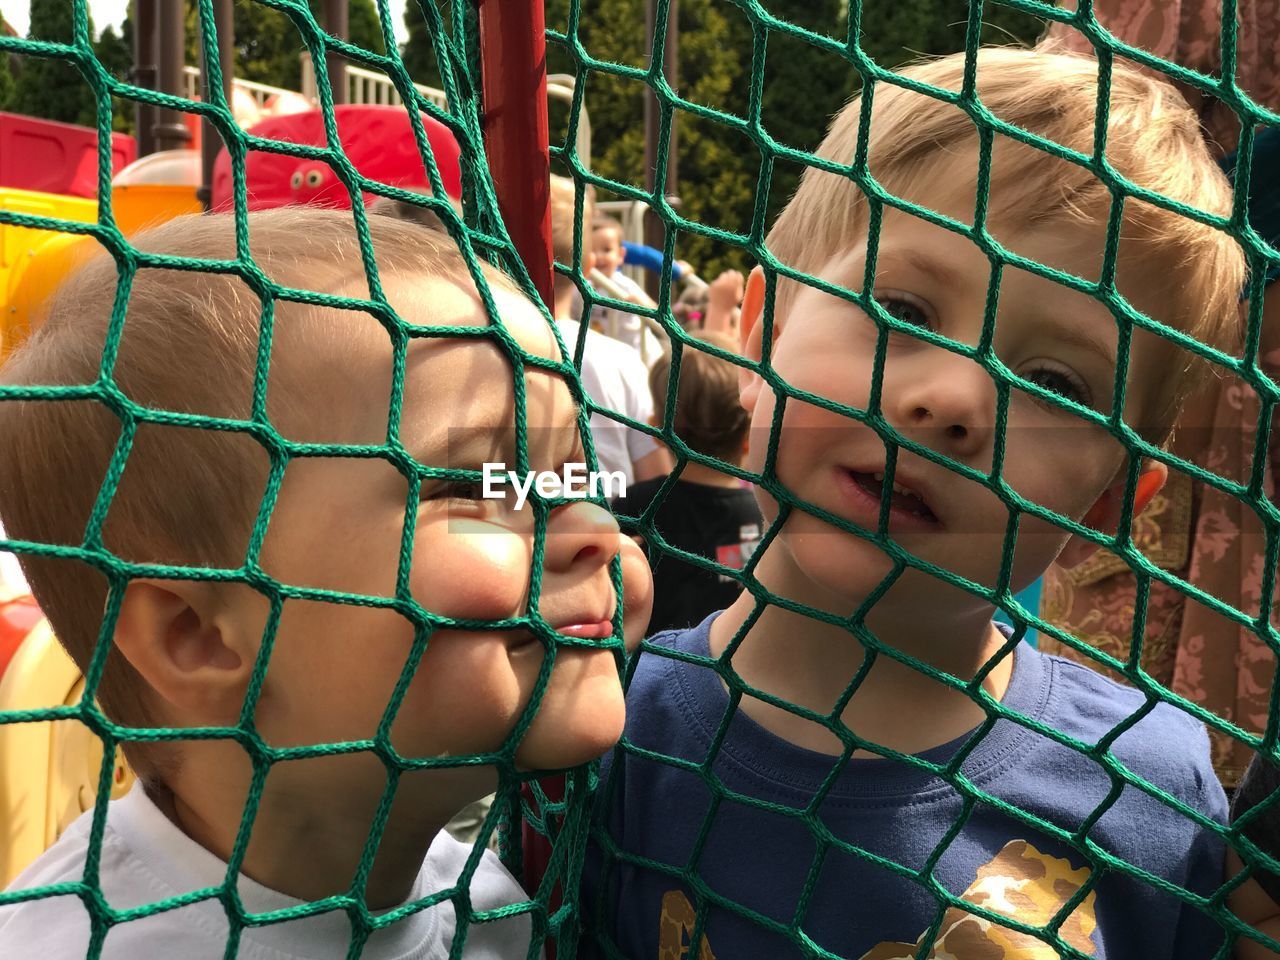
point(104, 12)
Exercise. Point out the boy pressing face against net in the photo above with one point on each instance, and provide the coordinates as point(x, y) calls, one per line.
point(333, 671)
point(873, 768)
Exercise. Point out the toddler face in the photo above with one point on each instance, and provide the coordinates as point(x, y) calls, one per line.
point(607, 245)
point(339, 526)
point(1051, 336)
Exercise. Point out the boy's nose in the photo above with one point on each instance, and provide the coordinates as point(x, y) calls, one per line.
point(580, 533)
point(948, 405)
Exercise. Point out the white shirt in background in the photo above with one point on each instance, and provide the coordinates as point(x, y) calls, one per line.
point(629, 328)
point(614, 377)
point(146, 859)
point(12, 582)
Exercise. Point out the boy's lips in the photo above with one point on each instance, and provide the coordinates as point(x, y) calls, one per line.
point(593, 629)
point(909, 508)
point(581, 628)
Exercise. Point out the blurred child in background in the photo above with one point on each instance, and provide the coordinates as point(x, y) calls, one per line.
point(705, 512)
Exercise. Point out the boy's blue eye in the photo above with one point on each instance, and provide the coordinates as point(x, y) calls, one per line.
point(466, 490)
point(457, 490)
point(1064, 384)
point(904, 310)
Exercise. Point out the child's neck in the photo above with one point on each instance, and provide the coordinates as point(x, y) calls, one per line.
point(707, 476)
point(810, 664)
point(307, 841)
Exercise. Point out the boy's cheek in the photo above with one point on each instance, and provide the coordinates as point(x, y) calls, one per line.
point(637, 590)
point(480, 574)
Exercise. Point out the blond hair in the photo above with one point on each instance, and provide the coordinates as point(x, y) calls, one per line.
point(564, 210)
point(1153, 139)
point(189, 344)
point(603, 221)
point(708, 415)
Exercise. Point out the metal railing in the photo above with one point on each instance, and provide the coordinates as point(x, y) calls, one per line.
point(261, 92)
point(371, 87)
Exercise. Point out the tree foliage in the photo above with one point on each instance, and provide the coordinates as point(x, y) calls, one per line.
point(49, 88)
point(115, 53)
point(8, 87)
point(804, 85)
point(720, 169)
point(269, 48)
point(418, 52)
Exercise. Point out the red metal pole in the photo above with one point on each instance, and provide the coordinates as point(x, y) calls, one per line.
point(513, 49)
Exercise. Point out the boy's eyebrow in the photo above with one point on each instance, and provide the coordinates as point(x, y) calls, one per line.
point(943, 274)
point(1073, 335)
point(458, 443)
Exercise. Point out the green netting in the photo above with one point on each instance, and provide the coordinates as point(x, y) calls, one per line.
point(480, 235)
point(765, 29)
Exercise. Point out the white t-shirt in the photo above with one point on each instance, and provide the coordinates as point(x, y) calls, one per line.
point(615, 378)
point(146, 858)
point(630, 328)
point(11, 579)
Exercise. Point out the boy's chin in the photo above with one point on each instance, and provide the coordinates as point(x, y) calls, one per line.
point(577, 725)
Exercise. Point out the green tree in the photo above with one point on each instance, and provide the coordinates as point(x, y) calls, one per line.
point(7, 82)
point(8, 87)
point(717, 166)
point(115, 52)
point(53, 89)
point(268, 48)
point(418, 52)
point(804, 85)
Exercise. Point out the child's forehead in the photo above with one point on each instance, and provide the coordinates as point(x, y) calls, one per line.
point(342, 371)
point(438, 302)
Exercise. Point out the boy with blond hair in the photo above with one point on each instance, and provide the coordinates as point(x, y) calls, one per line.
point(852, 757)
point(613, 374)
point(378, 578)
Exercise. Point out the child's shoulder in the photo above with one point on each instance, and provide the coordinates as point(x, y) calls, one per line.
point(1151, 737)
point(491, 884)
point(674, 685)
point(60, 924)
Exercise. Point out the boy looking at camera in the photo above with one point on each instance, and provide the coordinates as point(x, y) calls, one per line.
point(907, 802)
point(358, 623)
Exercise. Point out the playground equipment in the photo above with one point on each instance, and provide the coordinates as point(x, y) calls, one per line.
point(56, 158)
point(48, 771)
point(378, 140)
point(33, 262)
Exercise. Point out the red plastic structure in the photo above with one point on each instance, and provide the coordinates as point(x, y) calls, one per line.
point(53, 157)
point(18, 618)
point(378, 140)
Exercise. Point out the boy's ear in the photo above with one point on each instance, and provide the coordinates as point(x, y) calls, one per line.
point(750, 335)
point(1104, 515)
point(195, 649)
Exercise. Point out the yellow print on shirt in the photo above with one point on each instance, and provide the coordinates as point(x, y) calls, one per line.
point(675, 928)
point(1019, 882)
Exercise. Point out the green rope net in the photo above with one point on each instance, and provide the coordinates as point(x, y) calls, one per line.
point(480, 235)
point(766, 30)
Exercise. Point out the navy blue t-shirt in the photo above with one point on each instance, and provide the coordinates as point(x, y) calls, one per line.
point(882, 823)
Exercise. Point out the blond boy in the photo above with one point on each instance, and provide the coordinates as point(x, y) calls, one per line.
point(613, 374)
point(183, 650)
point(887, 813)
